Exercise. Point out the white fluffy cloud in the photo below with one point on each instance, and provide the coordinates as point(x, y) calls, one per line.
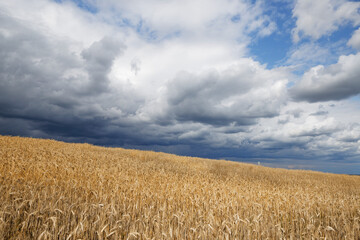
point(65, 21)
point(355, 40)
point(335, 82)
point(322, 17)
point(319, 129)
point(217, 19)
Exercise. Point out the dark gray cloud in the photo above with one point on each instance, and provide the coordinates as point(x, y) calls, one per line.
point(52, 91)
point(335, 82)
point(30, 67)
point(99, 58)
point(238, 95)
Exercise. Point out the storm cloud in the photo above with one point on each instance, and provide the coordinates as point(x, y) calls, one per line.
point(240, 94)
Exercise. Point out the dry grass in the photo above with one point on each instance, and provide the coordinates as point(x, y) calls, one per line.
point(55, 190)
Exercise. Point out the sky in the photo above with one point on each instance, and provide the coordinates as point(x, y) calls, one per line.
point(275, 82)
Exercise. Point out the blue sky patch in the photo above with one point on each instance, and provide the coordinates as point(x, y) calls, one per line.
point(83, 4)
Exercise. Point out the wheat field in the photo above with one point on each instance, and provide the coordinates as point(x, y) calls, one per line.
point(56, 190)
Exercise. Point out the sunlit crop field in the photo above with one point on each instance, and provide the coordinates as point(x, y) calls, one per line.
point(56, 190)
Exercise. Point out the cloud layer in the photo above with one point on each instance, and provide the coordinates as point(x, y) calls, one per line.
point(183, 80)
point(323, 17)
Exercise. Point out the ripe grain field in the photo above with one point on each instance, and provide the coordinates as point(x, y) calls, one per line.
point(56, 190)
